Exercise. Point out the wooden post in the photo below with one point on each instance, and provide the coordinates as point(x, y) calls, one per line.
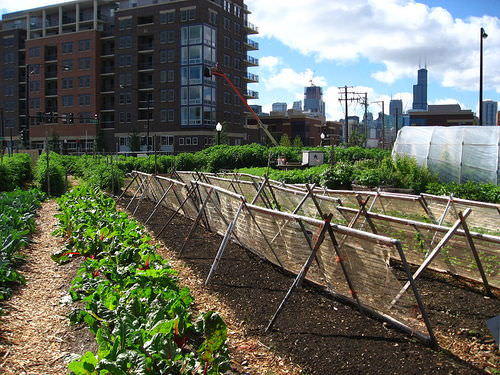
point(159, 203)
point(362, 208)
point(411, 281)
point(340, 260)
point(472, 246)
point(303, 272)
point(263, 236)
point(224, 243)
point(135, 194)
point(197, 220)
point(432, 255)
point(128, 186)
point(190, 191)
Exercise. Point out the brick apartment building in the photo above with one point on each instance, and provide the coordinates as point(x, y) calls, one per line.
point(306, 126)
point(115, 72)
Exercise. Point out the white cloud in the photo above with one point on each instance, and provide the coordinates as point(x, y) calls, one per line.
point(396, 33)
point(269, 62)
point(14, 5)
point(290, 80)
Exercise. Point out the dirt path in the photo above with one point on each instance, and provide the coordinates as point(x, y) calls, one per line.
point(35, 335)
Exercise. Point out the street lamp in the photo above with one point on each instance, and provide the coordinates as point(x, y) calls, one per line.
point(218, 127)
point(483, 36)
point(322, 136)
point(148, 102)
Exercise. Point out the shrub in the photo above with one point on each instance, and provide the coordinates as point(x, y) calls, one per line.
point(108, 177)
point(56, 183)
point(338, 176)
point(469, 190)
point(15, 172)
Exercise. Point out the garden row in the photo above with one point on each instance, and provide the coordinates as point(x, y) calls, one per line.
point(346, 166)
point(130, 298)
point(17, 222)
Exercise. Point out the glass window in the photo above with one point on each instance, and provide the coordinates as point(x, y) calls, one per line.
point(195, 94)
point(195, 116)
point(185, 36)
point(67, 47)
point(184, 115)
point(184, 95)
point(195, 34)
point(184, 55)
point(184, 76)
point(67, 100)
point(195, 54)
point(195, 75)
point(84, 45)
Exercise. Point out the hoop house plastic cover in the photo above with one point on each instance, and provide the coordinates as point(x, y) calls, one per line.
point(457, 154)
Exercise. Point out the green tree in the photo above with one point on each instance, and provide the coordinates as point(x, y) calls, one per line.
point(99, 140)
point(223, 136)
point(135, 141)
point(297, 142)
point(285, 141)
point(54, 142)
point(356, 139)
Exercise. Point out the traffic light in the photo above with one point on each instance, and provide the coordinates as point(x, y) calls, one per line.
point(71, 118)
point(207, 72)
point(65, 118)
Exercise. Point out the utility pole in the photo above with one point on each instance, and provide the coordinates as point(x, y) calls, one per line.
point(351, 96)
point(147, 124)
point(365, 103)
point(483, 36)
point(346, 125)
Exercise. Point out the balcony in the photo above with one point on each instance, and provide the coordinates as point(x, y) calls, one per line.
point(50, 91)
point(246, 10)
point(107, 69)
point(145, 47)
point(251, 78)
point(251, 45)
point(145, 66)
point(250, 94)
point(251, 61)
point(51, 74)
point(51, 57)
point(251, 28)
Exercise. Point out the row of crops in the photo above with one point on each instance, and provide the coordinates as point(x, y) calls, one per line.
point(130, 298)
point(345, 167)
point(17, 222)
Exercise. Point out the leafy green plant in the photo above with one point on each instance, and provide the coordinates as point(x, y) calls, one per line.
point(469, 190)
point(105, 176)
point(15, 171)
point(50, 177)
point(130, 298)
point(17, 222)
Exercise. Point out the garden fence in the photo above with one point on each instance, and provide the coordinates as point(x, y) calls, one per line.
point(347, 248)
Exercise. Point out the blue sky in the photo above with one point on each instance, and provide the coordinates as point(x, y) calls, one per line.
point(375, 45)
point(301, 38)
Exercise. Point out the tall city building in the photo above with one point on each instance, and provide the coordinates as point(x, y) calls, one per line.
point(279, 107)
point(297, 106)
point(420, 91)
point(313, 100)
point(396, 112)
point(490, 109)
point(118, 71)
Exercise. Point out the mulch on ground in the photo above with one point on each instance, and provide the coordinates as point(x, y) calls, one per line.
point(35, 334)
point(321, 335)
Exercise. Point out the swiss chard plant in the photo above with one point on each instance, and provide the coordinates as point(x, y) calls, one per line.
point(130, 297)
point(17, 222)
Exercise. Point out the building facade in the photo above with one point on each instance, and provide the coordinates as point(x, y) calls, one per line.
point(490, 110)
point(294, 124)
point(420, 91)
point(279, 107)
point(313, 100)
point(297, 106)
point(128, 74)
point(442, 115)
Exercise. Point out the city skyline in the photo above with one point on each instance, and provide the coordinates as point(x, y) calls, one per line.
point(286, 68)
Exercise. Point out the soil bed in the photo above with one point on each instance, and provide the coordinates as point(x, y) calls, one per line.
point(323, 336)
point(35, 334)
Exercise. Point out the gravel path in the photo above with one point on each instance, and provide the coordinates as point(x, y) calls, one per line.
point(35, 335)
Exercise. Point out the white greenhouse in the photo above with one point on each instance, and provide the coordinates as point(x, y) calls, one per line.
point(456, 154)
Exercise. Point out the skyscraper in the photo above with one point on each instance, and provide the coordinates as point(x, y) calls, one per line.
point(313, 100)
point(420, 91)
point(117, 69)
point(490, 109)
point(280, 107)
point(297, 106)
point(396, 112)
